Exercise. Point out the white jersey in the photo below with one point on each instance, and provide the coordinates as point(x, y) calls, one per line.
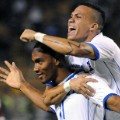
point(106, 64)
point(76, 106)
point(73, 107)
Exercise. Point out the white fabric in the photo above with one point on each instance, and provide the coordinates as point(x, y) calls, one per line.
point(107, 67)
point(101, 88)
point(39, 36)
point(67, 86)
point(73, 107)
point(76, 106)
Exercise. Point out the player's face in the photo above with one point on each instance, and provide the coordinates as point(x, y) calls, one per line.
point(79, 24)
point(44, 65)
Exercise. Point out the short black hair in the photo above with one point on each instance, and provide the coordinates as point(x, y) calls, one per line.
point(93, 6)
point(45, 49)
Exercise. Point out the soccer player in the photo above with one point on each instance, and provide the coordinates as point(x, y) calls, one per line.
point(99, 53)
point(52, 68)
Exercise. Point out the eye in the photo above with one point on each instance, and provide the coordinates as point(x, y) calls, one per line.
point(39, 61)
point(78, 16)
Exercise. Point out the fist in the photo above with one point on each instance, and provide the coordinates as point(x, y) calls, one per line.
point(27, 35)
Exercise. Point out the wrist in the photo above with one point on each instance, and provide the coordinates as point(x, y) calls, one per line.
point(67, 86)
point(39, 36)
point(23, 85)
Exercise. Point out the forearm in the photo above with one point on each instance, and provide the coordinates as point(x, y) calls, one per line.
point(34, 95)
point(55, 95)
point(61, 45)
point(65, 46)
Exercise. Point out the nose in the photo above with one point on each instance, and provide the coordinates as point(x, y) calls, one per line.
point(71, 20)
point(36, 68)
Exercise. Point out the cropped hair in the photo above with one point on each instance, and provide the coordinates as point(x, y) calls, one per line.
point(101, 16)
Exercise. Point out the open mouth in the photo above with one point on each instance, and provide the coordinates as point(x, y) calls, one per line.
point(71, 30)
point(39, 75)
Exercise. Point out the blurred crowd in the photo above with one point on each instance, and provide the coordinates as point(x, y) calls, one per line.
point(48, 16)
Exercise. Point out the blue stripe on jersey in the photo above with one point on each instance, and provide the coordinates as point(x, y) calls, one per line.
point(97, 54)
point(52, 110)
point(106, 98)
point(63, 110)
point(50, 83)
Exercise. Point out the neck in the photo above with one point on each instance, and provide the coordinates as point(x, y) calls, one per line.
point(91, 36)
point(61, 75)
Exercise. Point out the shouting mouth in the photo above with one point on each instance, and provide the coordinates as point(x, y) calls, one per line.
point(71, 30)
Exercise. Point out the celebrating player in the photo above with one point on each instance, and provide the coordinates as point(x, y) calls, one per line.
point(53, 71)
point(85, 39)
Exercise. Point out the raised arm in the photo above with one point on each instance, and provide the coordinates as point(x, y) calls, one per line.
point(14, 78)
point(60, 45)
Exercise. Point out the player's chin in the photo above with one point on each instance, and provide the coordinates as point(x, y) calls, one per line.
point(72, 38)
point(44, 81)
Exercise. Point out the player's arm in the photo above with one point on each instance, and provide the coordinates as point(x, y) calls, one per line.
point(60, 45)
point(55, 95)
point(113, 103)
point(104, 95)
point(35, 96)
point(14, 78)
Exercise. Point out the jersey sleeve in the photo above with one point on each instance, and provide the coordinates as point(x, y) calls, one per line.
point(102, 91)
point(104, 48)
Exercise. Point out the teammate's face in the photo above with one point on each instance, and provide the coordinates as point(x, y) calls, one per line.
point(79, 24)
point(44, 65)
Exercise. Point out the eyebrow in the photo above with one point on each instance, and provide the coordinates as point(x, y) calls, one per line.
point(78, 13)
point(38, 60)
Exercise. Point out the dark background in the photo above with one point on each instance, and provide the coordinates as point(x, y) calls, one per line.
point(47, 16)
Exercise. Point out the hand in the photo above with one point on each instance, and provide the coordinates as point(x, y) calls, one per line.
point(79, 85)
point(14, 77)
point(27, 35)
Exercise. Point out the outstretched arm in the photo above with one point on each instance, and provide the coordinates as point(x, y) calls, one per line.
point(61, 45)
point(14, 78)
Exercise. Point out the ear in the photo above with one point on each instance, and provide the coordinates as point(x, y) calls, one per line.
point(57, 62)
point(94, 26)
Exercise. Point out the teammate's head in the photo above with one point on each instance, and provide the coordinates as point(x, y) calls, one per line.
point(46, 62)
point(86, 21)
